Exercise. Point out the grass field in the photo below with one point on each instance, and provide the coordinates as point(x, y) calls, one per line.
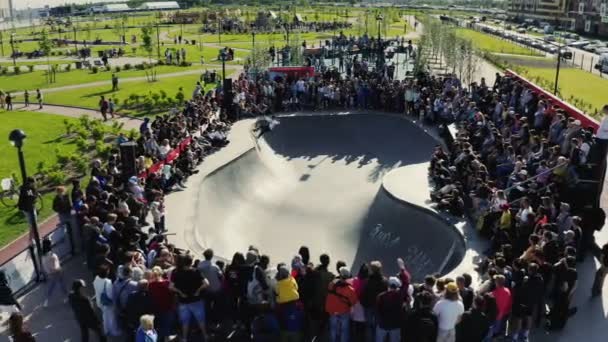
point(37, 79)
point(43, 140)
point(489, 43)
point(89, 97)
point(577, 83)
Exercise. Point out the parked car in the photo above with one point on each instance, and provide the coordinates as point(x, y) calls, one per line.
point(580, 44)
point(549, 38)
point(602, 63)
point(592, 48)
point(566, 53)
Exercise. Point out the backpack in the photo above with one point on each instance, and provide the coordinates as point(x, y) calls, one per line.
point(254, 289)
point(104, 298)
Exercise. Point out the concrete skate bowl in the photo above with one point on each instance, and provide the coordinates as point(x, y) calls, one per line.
point(316, 181)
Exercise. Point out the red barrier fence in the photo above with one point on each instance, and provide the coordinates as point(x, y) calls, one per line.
point(171, 156)
point(555, 102)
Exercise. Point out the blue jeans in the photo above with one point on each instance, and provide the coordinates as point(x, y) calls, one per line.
point(339, 325)
point(394, 335)
point(370, 321)
point(53, 280)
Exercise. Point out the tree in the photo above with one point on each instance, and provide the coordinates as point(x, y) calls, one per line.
point(44, 44)
point(148, 46)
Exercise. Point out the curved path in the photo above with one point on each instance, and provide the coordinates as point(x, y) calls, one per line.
point(76, 112)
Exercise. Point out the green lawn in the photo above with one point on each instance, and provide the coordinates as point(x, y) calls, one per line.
point(490, 43)
point(37, 79)
point(89, 97)
point(44, 133)
point(576, 83)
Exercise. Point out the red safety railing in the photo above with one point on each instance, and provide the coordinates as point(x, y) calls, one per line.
point(171, 156)
point(556, 102)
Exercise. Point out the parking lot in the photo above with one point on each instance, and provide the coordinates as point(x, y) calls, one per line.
point(575, 51)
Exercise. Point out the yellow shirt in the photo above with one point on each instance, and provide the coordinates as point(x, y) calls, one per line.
point(287, 290)
point(505, 220)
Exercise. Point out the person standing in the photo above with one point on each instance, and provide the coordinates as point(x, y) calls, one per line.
point(9, 101)
point(114, 82)
point(146, 331)
point(504, 302)
point(139, 303)
point(376, 284)
point(103, 297)
point(111, 107)
point(52, 268)
point(188, 284)
point(6, 295)
point(474, 325)
point(448, 310)
point(27, 200)
point(215, 277)
point(84, 312)
point(39, 98)
point(340, 299)
point(63, 206)
point(390, 308)
point(103, 108)
point(17, 330)
point(600, 275)
point(26, 98)
point(421, 323)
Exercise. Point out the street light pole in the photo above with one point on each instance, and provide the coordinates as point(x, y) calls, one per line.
point(75, 39)
point(253, 48)
point(12, 42)
point(223, 55)
point(16, 137)
point(219, 31)
point(559, 58)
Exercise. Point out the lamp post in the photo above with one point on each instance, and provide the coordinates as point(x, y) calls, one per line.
point(223, 55)
point(12, 42)
point(219, 31)
point(253, 48)
point(16, 138)
point(557, 68)
point(75, 39)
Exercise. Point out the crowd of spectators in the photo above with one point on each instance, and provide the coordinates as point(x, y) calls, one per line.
point(148, 290)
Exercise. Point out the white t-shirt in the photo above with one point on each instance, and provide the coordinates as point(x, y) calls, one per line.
point(100, 285)
point(448, 312)
point(50, 263)
point(602, 131)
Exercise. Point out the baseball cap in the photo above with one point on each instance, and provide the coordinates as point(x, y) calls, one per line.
point(394, 282)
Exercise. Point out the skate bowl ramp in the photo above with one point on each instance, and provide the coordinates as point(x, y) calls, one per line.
point(317, 181)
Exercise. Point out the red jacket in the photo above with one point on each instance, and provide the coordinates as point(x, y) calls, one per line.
point(341, 297)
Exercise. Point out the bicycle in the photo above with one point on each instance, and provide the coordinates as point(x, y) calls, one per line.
point(9, 197)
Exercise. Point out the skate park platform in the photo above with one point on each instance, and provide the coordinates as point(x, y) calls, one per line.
point(317, 180)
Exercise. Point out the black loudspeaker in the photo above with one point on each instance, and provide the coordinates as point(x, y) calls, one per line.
point(127, 159)
point(228, 86)
point(229, 110)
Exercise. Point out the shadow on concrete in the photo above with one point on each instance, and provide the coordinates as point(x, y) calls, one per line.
point(356, 140)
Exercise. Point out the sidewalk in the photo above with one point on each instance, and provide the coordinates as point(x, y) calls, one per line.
point(76, 112)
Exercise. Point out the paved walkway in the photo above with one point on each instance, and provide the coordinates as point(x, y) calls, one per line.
point(75, 112)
